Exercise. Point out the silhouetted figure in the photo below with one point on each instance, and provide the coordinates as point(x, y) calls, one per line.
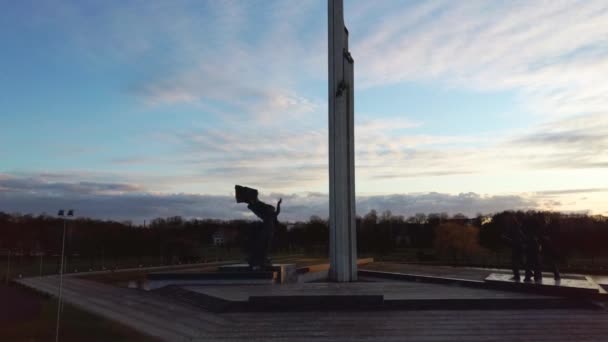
point(532, 248)
point(516, 239)
point(261, 236)
point(550, 252)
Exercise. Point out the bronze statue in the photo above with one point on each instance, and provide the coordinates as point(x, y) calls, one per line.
point(261, 236)
point(516, 239)
point(550, 253)
point(532, 249)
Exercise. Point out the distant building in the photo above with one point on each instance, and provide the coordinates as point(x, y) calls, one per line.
point(224, 236)
point(218, 238)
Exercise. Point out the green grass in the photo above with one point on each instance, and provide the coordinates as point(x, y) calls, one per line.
point(38, 324)
point(48, 265)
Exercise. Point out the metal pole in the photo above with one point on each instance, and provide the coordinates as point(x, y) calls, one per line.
point(66, 266)
point(8, 265)
point(60, 282)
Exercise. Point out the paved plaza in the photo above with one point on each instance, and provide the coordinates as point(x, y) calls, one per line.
point(175, 320)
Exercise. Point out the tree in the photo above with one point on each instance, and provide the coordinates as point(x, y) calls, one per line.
point(457, 241)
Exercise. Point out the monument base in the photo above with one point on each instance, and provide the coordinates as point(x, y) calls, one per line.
point(367, 295)
point(159, 280)
point(235, 274)
point(284, 273)
point(567, 286)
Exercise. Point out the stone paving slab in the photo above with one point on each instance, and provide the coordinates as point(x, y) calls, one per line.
point(464, 273)
point(455, 272)
point(378, 295)
point(512, 325)
point(566, 285)
point(389, 290)
point(571, 285)
point(175, 321)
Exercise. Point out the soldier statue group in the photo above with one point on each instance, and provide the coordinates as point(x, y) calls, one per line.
point(531, 245)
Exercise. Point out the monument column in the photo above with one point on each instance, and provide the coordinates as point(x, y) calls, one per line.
point(342, 225)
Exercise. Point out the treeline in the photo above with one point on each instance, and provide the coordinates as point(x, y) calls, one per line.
point(167, 238)
point(570, 234)
point(456, 237)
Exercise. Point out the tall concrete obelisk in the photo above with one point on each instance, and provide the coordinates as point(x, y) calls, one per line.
point(342, 228)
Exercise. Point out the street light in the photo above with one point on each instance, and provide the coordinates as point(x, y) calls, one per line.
point(8, 265)
point(65, 222)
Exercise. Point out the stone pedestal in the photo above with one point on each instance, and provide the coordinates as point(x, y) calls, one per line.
point(284, 273)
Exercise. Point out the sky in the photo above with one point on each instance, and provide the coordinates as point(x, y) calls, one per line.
point(138, 109)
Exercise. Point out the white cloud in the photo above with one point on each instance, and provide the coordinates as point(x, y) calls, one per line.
point(205, 53)
point(34, 195)
point(554, 52)
point(368, 126)
point(269, 129)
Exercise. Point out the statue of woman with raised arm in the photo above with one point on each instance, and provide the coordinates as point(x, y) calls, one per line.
point(262, 236)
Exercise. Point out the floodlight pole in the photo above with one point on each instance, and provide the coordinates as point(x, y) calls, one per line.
point(65, 221)
point(8, 265)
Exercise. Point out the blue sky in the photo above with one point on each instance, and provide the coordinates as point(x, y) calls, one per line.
point(473, 106)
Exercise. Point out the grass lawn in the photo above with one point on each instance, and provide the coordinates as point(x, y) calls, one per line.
point(27, 316)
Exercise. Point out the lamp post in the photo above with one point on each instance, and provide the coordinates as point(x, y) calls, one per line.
point(65, 222)
point(8, 265)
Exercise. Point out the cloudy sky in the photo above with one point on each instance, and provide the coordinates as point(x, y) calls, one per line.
point(135, 109)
